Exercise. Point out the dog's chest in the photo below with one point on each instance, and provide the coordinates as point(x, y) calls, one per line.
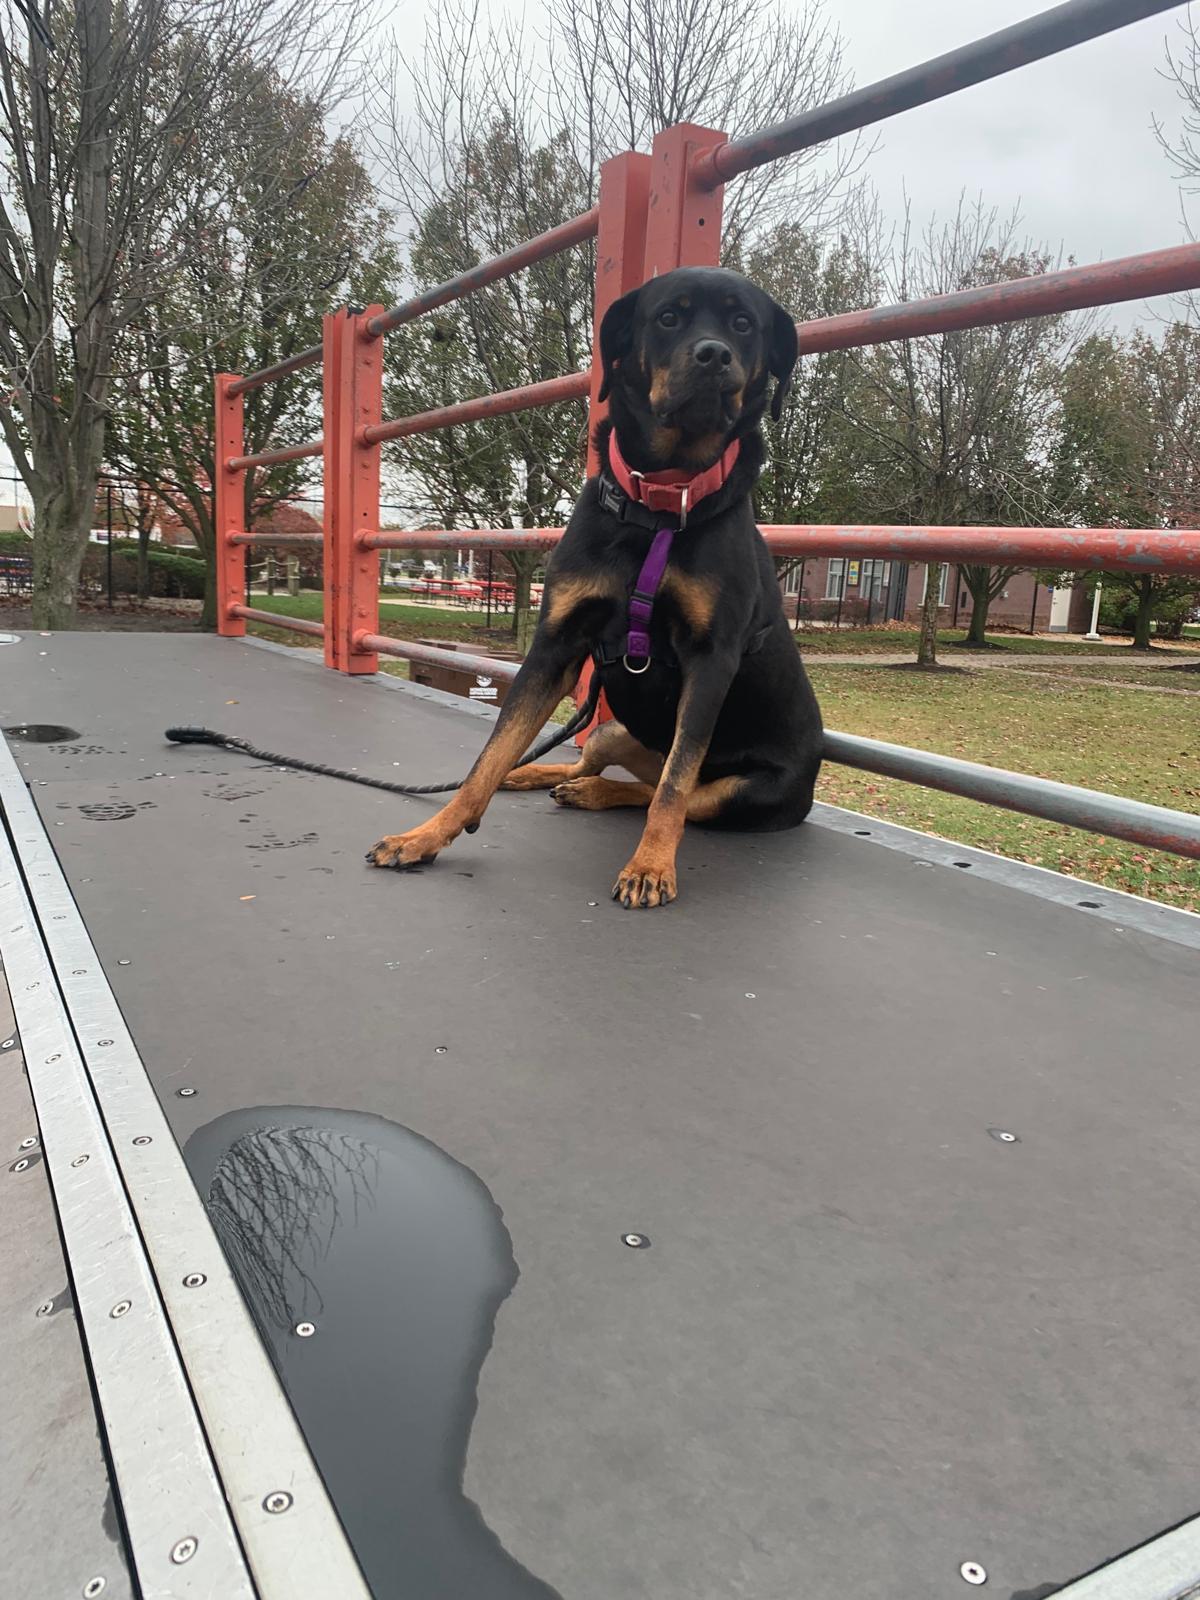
point(647, 702)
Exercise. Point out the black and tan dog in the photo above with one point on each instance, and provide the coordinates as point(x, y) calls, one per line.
point(664, 580)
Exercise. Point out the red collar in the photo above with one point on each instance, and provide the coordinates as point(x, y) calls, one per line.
point(667, 491)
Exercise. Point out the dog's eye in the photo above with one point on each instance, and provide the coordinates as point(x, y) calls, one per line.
point(741, 323)
point(668, 318)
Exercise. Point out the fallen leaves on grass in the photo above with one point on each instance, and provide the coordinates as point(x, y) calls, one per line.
point(1100, 737)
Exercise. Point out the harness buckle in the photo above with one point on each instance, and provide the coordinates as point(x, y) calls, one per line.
point(637, 671)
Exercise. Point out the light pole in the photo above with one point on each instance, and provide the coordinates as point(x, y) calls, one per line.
point(1093, 634)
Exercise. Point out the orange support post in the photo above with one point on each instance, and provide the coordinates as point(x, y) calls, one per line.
point(620, 252)
point(353, 379)
point(683, 227)
point(229, 508)
point(331, 340)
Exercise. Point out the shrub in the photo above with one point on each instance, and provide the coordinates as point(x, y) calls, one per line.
point(1118, 608)
point(171, 574)
point(1171, 615)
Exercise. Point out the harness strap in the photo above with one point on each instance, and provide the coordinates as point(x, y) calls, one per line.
point(641, 602)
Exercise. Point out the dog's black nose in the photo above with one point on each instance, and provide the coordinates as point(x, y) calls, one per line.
point(712, 353)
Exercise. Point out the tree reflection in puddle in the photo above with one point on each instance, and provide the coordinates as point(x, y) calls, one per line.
point(399, 1258)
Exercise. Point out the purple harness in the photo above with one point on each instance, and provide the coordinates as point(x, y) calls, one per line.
point(641, 602)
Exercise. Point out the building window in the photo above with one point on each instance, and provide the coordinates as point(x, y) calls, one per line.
point(835, 578)
point(876, 575)
point(791, 581)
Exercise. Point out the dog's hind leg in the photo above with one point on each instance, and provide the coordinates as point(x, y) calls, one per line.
point(601, 794)
point(708, 802)
point(608, 746)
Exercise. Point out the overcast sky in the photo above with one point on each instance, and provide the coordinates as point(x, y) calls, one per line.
point(1071, 139)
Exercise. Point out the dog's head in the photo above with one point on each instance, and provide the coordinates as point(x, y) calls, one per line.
point(688, 360)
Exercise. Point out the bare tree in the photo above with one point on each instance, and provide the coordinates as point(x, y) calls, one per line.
point(1182, 148)
point(624, 69)
point(1127, 454)
point(812, 474)
point(298, 230)
point(961, 418)
point(109, 115)
point(488, 137)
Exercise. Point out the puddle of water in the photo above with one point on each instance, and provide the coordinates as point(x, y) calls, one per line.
point(399, 1258)
point(40, 733)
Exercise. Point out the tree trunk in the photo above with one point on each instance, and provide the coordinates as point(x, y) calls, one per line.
point(143, 562)
point(61, 530)
point(927, 649)
point(977, 632)
point(208, 611)
point(1145, 612)
point(524, 619)
point(202, 526)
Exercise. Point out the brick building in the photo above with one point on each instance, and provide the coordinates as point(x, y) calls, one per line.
point(891, 591)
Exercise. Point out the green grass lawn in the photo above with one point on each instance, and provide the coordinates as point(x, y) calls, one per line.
point(1177, 669)
point(399, 621)
point(431, 622)
point(951, 642)
point(1146, 746)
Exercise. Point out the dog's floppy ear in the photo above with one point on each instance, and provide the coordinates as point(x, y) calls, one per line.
point(616, 337)
point(783, 348)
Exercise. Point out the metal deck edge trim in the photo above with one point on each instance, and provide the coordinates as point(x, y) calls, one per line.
point(255, 1439)
point(1167, 1568)
point(181, 1539)
point(53, 1477)
point(1117, 906)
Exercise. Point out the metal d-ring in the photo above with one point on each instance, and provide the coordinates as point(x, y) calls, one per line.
point(637, 671)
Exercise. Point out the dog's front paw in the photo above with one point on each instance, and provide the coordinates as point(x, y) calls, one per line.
point(645, 883)
point(415, 848)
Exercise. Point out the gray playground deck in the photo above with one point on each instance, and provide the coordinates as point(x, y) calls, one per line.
point(869, 1340)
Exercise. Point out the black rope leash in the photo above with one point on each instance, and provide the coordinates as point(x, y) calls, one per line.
point(226, 741)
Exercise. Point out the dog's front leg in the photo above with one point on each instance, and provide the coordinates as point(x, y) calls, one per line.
point(648, 879)
point(547, 674)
